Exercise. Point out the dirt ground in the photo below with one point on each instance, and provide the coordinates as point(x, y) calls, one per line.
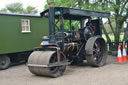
point(110, 74)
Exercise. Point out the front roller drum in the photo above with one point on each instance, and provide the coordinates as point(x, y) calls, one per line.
point(96, 51)
point(41, 60)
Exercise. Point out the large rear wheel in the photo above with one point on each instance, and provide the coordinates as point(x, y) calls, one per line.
point(96, 51)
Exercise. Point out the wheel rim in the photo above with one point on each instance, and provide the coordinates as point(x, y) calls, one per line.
point(4, 62)
point(96, 51)
point(53, 60)
point(57, 69)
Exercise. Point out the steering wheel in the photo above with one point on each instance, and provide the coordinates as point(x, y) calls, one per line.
point(61, 34)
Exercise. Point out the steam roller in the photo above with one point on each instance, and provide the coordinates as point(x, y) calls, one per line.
point(73, 45)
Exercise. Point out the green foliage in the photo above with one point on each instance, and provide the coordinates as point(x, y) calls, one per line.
point(3, 10)
point(18, 8)
point(62, 3)
point(106, 25)
point(14, 8)
point(112, 37)
point(30, 10)
point(82, 4)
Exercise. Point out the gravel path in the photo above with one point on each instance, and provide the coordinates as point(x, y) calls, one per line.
point(110, 74)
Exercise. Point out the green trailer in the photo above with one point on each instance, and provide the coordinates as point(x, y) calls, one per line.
point(19, 34)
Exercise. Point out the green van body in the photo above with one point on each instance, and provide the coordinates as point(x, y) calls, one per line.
point(13, 40)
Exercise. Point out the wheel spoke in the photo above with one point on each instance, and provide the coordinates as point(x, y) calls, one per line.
point(99, 51)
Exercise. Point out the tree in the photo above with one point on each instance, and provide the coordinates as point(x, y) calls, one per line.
point(118, 8)
point(14, 8)
point(30, 10)
point(18, 8)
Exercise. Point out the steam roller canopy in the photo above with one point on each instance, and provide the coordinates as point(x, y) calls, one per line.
point(39, 60)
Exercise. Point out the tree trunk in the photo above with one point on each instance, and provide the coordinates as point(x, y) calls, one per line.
point(109, 22)
point(125, 33)
point(105, 32)
point(117, 35)
point(118, 29)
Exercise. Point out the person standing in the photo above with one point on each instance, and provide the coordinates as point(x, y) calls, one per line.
point(90, 24)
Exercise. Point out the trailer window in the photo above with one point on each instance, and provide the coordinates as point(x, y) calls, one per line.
point(25, 23)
